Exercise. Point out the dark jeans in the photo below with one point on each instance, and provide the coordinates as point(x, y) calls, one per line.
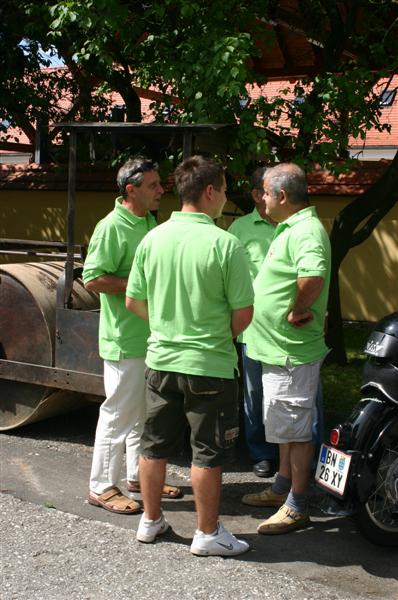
point(259, 448)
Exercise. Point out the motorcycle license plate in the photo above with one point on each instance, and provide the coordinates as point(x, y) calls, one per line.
point(332, 469)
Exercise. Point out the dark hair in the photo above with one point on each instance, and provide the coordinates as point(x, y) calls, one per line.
point(257, 178)
point(194, 174)
point(133, 172)
point(290, 178)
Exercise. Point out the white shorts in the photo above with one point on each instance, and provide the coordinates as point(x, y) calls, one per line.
point(289, 406)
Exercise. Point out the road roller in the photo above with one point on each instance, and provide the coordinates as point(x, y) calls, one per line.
point(49, 360)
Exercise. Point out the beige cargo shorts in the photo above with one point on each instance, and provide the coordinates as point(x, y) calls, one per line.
point(289, 401)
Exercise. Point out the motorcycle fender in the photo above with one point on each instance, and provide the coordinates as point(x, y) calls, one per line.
point(370, 459)
point(389, 435)
point(364, 420)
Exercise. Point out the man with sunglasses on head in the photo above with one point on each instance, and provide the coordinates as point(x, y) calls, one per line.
point(122, 335)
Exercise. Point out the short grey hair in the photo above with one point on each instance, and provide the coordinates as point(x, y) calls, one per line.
point(290, 178)
point(133, 172)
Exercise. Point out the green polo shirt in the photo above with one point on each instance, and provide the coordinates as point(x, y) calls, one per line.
point(300, 248)
point(111, 252)
point(256, 235)
point(193, 274)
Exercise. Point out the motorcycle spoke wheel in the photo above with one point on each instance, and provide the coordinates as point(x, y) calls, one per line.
point(378, 517)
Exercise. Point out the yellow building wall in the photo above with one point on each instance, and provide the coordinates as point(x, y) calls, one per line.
point(369, 272)
point(368, 277)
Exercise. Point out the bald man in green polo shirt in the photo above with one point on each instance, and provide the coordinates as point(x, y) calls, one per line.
point(287, 336)
point(192, 281)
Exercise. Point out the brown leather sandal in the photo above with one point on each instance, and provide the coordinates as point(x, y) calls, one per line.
point(114, 501)
point(169, 491)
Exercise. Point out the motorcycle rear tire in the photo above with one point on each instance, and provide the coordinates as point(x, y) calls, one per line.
point(377, 518)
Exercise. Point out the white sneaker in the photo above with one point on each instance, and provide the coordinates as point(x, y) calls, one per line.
point(148, 530)
point(221, 543)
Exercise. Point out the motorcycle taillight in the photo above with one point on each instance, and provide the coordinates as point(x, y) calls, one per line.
point(335, 436)
point(341, 436)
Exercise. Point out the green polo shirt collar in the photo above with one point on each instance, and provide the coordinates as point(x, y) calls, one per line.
point(196, 217)
point(126, 214)
point(256, 217)
point(300, 215)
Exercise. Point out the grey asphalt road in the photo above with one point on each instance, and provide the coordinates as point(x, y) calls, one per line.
point(55, 546)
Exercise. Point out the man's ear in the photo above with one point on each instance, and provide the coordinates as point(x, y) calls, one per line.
point(283, 197)
point(209, 191)
point(130, 187)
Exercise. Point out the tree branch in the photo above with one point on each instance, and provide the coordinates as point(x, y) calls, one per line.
point(362, 234)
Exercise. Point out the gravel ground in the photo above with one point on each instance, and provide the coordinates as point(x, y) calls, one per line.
point(50, 555)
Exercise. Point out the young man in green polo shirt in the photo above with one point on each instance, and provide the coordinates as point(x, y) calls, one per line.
point(255, 231)
point(122, 336)
point(192, 281)
point(287, 335)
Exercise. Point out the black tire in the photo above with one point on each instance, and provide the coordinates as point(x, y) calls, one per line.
point(377, 518)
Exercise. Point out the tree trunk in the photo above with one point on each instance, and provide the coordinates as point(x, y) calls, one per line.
point(352, 226)
point(122, 83)
point(334, 329)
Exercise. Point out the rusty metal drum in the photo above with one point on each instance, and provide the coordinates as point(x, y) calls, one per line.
point(27, 335)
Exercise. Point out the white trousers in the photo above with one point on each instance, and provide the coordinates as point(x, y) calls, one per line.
point(120, 423)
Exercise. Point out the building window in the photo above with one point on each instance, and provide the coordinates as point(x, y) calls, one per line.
point(298, 100)
point(4, 124)
point(387, 98)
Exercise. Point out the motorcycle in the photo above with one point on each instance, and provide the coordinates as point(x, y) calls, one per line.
point(359, 468)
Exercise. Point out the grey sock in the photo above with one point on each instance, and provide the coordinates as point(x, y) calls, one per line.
point(297, 502)
point(282, 485)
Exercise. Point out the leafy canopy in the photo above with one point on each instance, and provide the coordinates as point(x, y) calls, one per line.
point(202, 56)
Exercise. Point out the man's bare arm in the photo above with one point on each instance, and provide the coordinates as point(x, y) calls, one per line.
point(138, 307)
point(240, 319)
point(308, 290)
point(107, 284)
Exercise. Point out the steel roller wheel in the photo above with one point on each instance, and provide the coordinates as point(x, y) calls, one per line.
point(27, 335)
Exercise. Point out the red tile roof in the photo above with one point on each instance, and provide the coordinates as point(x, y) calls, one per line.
point(374, 138)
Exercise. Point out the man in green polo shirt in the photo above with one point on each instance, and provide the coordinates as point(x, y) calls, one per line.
point(287, 335)
point(192, 281)
point(122, 336)
point(255, 231)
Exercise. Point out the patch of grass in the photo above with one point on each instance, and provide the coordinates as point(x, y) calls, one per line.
point(341, 385)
